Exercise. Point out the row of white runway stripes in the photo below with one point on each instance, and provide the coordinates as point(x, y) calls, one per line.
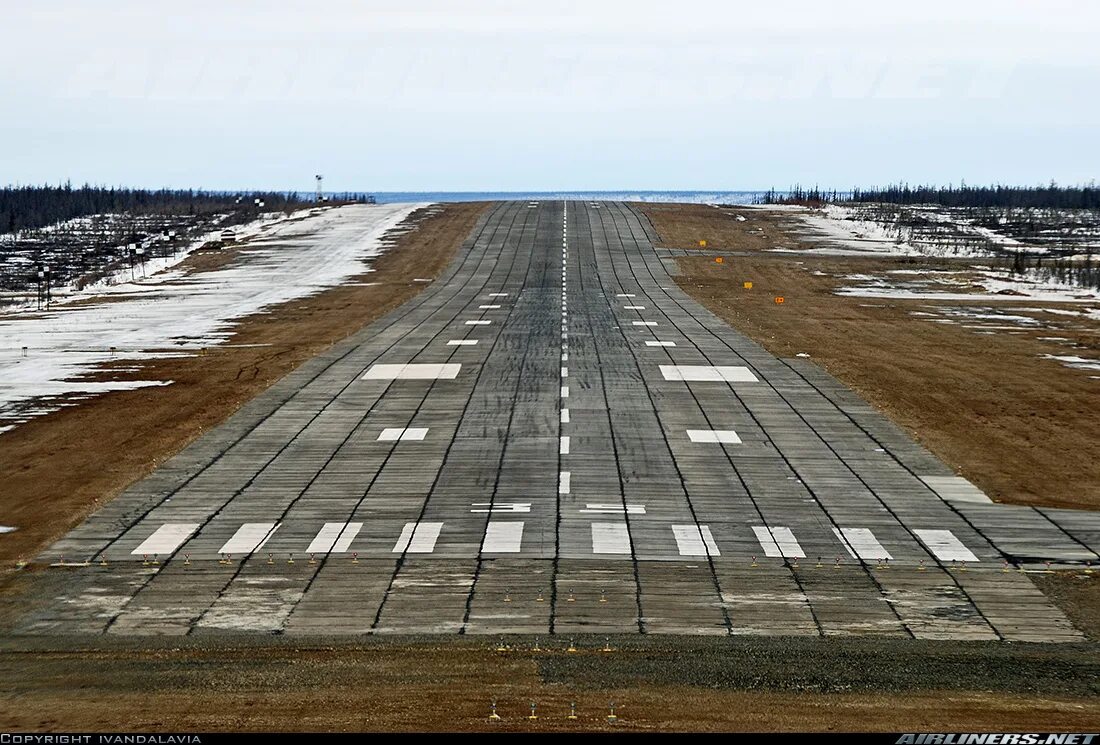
point(506, 537)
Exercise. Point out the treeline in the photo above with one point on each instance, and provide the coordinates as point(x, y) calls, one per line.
point(31, 207)
point(1050, 196)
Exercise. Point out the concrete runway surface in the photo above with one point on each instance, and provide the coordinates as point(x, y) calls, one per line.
point(553, 438)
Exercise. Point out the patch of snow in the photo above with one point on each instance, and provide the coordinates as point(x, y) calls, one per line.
point(170, 313)
point(1080, 363)
point(7, 529)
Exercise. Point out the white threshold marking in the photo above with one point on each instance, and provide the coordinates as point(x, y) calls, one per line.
point(945, 546)
point(166, 539)
point(502, 538)
point(725, 436)
point(490, 507)
point(861, 543)
point(392, 434)
point(711, 373)
point(695, 540)
point(565, 416)
point(248, 538)
point(418, 538)
point(613, 509)
point(411, 371)
point(488, 307)
point(563, 482)
point(478, 323)
point(334, 538)
point(563, 445)
point(778, 542)
point(461, 342)
point(660, 343)
point(610, 538)
point(644, 323)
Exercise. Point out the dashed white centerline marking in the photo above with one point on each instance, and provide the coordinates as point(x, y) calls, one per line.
point(565, 391)
point(166, 539)
point(248, 538)
point(563, 482)
point(565, 416)
point(565, 372)
point(945, 546)
point(778, 542)
point(563, 445)
point(695, 540)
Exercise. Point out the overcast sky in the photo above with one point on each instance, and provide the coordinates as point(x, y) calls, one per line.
point(480, 95)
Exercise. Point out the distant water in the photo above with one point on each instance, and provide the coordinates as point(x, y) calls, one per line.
point(717, 197)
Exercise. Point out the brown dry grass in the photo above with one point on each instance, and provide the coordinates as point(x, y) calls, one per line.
point(1022, 428)
point(54, 469)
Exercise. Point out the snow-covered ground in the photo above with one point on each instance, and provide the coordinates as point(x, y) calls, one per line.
point(171, 313)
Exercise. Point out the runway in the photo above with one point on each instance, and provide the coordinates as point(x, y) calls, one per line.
point(554, 439)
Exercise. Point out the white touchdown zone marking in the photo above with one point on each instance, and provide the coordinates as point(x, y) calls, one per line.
point(695, 540)
point(778, 542)
point(724, 436)
point(248, 538)
point(418, 538)
point(944, 545)
point(502, 538)
point(498, 294)
point(334, 538)
point(861, 543)
point(610, 538)
point(166, 539)
point(392, 434)
point(708, 373)
point(411, 371)
point(478, 323)
point(461, 342)
point(660, 343)
point(488, 307)
point(613, 509)
point(633, 307)
point(644, 323)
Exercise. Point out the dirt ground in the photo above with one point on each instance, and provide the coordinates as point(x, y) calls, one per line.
point(1023, 428)
point(55, 469)
point(656, 684)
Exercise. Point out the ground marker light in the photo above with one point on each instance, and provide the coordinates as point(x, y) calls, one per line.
point(702, 244)
point(748, 285)
point(571, 647)
point(536, 648)
point(500, 645)
point(754, 564)
point(922, 567)
point(572, 710)
point(271, 559)
point(355, 558)
point(539, 599)
point(718, 260)
point(611, 718)
point(103, 561)
point(507, 596)
point(603, 596)
point(187, 560)
point(532, 716)
point(779, 300)
point(607, 644)
point(290, 560)
point(571, 598)
point(493, 716)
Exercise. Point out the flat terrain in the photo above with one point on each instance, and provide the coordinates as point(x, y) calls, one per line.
point(55, 469)
point(657, 684)
point(554, 442)
point(1021, 427)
